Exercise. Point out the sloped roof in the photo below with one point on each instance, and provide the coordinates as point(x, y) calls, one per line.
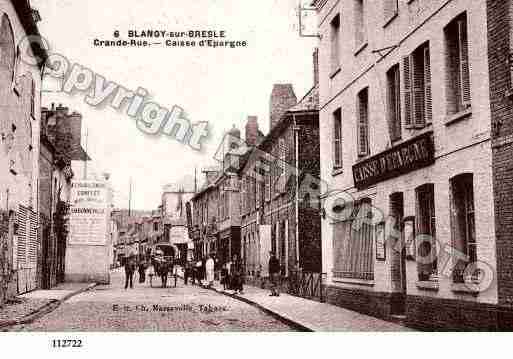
point(310, 102)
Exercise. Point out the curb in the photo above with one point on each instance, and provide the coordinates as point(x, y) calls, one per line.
point(288, 321)
point(44, 309)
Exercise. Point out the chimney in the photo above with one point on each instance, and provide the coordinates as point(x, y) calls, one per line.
point(252, 131)
point(316, 66)
point(282, 98)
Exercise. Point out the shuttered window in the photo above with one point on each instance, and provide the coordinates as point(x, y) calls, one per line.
point(363, 122)
point(337, 139)
point(417, 88)
point(390, 9)
point(353, 245)
point(394, 103)
point(458, 66)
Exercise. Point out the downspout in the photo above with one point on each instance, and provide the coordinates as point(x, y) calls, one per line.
point(296, 204)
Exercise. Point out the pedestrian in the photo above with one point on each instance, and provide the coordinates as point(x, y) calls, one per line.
point(129, 271)
point(237, 275)
point(209, 271)
point(224, 276)
point(142, 270)
point(187, 272)
point(197, 272)
point(274, 274)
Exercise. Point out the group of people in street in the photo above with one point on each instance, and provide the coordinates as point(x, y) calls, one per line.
point(205, 271)
point(208, 269)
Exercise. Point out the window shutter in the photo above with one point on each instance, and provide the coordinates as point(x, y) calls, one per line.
point(363, 130)
point(464, 63)
point(408, 98)
point(418, 91)
point(427, 86)
point(394, 104)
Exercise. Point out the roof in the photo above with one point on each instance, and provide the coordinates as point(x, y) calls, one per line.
point(310, 102)
point(26, 17)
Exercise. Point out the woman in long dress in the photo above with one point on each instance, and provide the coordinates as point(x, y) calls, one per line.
point(209, 269)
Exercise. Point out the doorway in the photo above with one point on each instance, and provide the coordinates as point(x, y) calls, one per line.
point(398, 254)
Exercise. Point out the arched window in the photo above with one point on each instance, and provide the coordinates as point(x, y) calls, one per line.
point(7, 48)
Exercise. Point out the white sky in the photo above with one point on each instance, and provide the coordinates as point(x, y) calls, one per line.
point(221, 86)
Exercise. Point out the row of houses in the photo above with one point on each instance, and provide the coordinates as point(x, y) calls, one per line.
point(256, 200)
point(40, 154)
point(139, 232)
point(391, 178)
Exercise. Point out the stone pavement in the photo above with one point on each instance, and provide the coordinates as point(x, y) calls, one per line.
point(312, 315)
point(29, 306)
point(145, 308)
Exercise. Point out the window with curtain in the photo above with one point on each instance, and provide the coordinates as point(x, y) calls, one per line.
point(337, 139)
point(353, 244)
point(463, 227)
point(363, 122)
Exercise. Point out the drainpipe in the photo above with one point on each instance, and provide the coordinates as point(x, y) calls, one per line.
point(296, 165)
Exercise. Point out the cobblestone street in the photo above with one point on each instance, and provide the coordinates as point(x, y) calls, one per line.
point(185, 308)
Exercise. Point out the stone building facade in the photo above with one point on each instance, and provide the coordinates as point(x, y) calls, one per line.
point(20, 85)
point(408, 115)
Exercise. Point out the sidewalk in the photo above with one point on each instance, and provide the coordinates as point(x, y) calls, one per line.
point(311, 315)
point(30, 306)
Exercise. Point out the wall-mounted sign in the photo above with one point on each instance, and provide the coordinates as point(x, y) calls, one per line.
point(405, 157)
point(88, 219)
point(380, 241)
point(188, 213)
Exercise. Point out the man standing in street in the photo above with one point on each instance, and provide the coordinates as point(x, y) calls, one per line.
point(129, 271)
point(274, 274)
point(209, 271)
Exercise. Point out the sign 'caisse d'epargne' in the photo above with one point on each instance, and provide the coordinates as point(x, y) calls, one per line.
point(405, 157)
point(88, 213)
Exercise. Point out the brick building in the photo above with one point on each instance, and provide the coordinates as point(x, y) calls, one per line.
point(408, 112)
point(276, 214)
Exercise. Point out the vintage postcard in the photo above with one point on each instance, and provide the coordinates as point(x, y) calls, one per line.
point(255, 166)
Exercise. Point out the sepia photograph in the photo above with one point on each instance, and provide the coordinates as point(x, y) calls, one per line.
point(251, 167)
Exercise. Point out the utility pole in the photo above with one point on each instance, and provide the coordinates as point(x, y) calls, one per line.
point(130, 198)
point(195, 181)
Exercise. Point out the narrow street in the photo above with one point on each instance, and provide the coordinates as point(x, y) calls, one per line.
point(184, 308)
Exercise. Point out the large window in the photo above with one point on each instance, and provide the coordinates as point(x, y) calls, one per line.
point(457, 63)
point(363, 122)
point(335, 43)
point(418, 107)
point(360, 36)
point(337, 139)
point(463, 227)
point(352, 243)
point(426, 233)
point(394, 103)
